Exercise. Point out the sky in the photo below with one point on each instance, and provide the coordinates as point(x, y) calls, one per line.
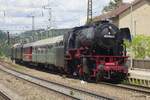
point(15, 15)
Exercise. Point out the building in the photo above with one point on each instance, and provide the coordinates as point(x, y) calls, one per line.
point(136, 16)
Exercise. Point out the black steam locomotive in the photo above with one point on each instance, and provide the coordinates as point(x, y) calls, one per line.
point(93, 51)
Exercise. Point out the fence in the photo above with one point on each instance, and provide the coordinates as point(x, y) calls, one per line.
point(142, 64)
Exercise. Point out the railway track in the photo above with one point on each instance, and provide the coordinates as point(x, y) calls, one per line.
point(3, 96)
point(140, 89)
point(135, 89)
point(72, 92)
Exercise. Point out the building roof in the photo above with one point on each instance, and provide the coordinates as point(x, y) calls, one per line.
point(123, 7)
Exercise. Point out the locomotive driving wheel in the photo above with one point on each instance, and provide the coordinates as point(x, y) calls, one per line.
point(85, 69)
point(80, 72)
point(99, 76)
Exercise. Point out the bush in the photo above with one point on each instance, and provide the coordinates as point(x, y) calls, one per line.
point(140, 46)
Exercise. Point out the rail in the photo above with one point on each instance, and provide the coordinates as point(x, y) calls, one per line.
point(134, 88)
point(3, 96)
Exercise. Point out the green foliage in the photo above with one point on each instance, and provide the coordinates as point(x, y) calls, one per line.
point(140, 46)
point(4, 47)
point(31, 36)
point(113, 4)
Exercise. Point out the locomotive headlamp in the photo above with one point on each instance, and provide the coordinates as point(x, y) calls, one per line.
point(110, 27)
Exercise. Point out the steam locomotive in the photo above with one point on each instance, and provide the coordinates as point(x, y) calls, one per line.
point(95, 51)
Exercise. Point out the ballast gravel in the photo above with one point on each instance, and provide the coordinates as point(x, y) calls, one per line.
point(121, 94)
point(19, 89)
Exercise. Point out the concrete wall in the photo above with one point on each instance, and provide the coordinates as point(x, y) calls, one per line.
point(140, 18)
point(142, 64)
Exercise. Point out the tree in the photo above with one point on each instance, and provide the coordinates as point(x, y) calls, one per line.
point(4, 47)
point(113, 4)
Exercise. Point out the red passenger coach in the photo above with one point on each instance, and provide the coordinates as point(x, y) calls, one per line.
point(27, 53)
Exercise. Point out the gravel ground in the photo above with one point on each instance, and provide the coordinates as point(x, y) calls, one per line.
point(122, 94)
point(21, 90)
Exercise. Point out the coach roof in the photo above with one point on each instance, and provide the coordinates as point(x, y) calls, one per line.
point(28, 45)
point(17, 45)
point(48, 41)
point(43, 42)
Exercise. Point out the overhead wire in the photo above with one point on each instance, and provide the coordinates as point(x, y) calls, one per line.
point(59, 4)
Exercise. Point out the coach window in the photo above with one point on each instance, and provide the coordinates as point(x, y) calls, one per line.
point(41, 50)
point(56, 44)
point(49, 47)
point(61, 43)
point(46, 48)
point(38, 50)
point(34, 50)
